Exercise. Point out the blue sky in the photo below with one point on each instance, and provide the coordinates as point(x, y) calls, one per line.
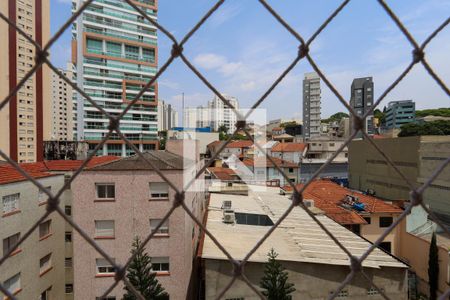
point(242, 50)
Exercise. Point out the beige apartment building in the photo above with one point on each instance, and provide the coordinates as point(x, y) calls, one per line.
point(62, 107)
point(36, 269)
point(24, 122)
point(116, 201)
point(315, 264)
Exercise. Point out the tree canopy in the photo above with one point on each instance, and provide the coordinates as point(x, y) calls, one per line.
point(274, 281)
point(440, 112)
point(336, 117)
point(441, 127)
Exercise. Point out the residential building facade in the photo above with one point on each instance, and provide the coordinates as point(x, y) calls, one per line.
point(117, 201)
point(197, 117)
point(315, 265)
point(62, 115)
point(116, 55)
point(399, 113)
point(167, 116)
point(25, 120)
point(36, 269)
point(361, 100)
point(262, 169)
point(238, 148)
point(311, 105)
point(221, 115)
point(293, 152)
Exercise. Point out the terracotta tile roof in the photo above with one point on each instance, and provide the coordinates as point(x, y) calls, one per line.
point(289, 147)
point(240, 144)
point(222, 173)
point(8, 174)
point(264, 161)
point(328, 196)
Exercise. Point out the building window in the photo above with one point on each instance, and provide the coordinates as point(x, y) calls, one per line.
point(42, 196)
point(163, 229)
point(291, 170)
point(104, 266)
point(10, 242)
point(45, 295)
point(68, 210)
point(104, 229)
point(11, 203)
point(372, 291)
point(12, 284)
point(68, 262)
point(105, 190)
point(367, 219)
point(342, 294)
point(44, 229)
point(160, 264)
point(386, 221)
point(45, 263)
point(69, 288)
point(159, 190)
point(66, 180)
point(68, 237)
point(386, 246)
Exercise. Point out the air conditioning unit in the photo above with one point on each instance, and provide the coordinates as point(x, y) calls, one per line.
point(309, 202)
point(226, 204)
point(228, 216)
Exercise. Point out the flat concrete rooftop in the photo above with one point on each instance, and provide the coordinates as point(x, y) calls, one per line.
point(297, 238)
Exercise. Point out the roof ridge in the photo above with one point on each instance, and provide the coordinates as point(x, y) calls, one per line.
point(162, 159)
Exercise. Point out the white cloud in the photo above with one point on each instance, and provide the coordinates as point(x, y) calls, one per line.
point(211, 61)
point(225, 13)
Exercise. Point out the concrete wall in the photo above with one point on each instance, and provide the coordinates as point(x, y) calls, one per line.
point(295, 157)
point(33, 249)
point(332, 170)
point(414, 250)
point(312, 281)
point(131, 211)
point(367, 169)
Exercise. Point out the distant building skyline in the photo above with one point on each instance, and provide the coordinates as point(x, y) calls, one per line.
point(62, 107)
point(167, 116)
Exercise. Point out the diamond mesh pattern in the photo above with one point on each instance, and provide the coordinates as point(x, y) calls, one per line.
point(355, 263)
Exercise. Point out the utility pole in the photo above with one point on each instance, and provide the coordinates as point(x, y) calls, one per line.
point(182, 109)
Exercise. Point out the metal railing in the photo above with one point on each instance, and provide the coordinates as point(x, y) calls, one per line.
point(355, 263)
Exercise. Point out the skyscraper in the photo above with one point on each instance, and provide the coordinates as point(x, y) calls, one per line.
point(115, 56)
point(361, 99)
point(24, 122)
point(167, 116)
point(61, 108)
point(311, 105)
point(220, 114)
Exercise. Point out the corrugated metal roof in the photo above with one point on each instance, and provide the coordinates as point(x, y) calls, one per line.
point(297, 238)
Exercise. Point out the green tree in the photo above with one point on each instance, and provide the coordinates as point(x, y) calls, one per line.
point(274, 281)
point(440, 112)
point(223, 132)
point(141, 276)
point(380, 115)
point(336, 117)
point(441, 127)
point(433, 268)
point(162, 139)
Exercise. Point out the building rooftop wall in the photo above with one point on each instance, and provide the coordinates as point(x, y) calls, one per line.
point(289, 147)
point(298, 238)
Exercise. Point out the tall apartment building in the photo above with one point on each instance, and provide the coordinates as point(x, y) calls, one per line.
point(311, 105)
point(220, 114)
point(61, 109)
point(115, 53)
point(399, 113)
point(167, 116)
point(214, 115)
point(196, 117)
point(361, 99)
point(23, 121)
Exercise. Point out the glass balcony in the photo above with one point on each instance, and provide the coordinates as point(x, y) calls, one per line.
point(122, 36)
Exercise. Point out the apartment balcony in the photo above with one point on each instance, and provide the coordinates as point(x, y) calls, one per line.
point(122, 36)
point(121, 55)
